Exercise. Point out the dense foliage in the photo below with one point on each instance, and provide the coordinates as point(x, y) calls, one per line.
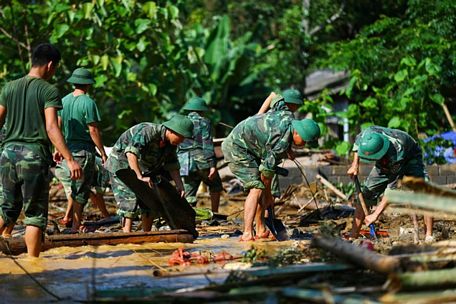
point(149, 57)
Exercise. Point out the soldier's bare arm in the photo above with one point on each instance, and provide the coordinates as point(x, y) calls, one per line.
point(94, 132)
point(56, 137)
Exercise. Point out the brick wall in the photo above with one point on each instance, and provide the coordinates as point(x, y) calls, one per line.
point(442, 175)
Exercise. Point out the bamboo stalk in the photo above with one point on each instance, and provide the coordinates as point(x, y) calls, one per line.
point(426, 279)
point(422, 200)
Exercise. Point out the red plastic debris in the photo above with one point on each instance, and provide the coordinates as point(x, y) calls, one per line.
point(185, 258)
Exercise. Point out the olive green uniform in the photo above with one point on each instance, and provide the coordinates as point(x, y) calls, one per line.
point(77, 113)
point(404, 158)
point(196, 156)
point(143, 140)
point(26, 155)
point(256, 146)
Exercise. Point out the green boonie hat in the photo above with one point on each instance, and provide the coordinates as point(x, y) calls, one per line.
point(292, 96)
point(180, 124)
point(307, 129)
point(81, 76)
point(373, 146)
point(196, 104)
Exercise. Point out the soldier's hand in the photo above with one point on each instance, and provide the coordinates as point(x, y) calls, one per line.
point(291, 155)
point(353, 171)
point(180, 190)
point(57, 157)
point(104, 157)
point(212, 173)
point(147, 180)
point(75, 169)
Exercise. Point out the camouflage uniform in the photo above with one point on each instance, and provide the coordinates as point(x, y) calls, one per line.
point(256, 145)
point(404, 159)
point(143, 140)
point(26, 155)
point(101, 177)
point(278, 104)
point(196, 157)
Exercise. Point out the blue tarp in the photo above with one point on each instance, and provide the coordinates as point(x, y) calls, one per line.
point(448, 153)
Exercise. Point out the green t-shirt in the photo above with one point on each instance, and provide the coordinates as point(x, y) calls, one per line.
point(77, 113)
point(25, 100)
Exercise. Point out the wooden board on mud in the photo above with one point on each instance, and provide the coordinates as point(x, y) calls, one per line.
point(164, 199)
point(17, 246)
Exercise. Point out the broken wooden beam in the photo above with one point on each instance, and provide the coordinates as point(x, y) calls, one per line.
point(423, 201)
point(357, 255)
point(17, 246)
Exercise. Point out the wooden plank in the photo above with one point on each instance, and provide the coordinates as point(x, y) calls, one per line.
point(17, 246)
point(422, 201)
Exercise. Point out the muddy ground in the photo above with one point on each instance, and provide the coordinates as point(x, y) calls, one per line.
point(128, 272)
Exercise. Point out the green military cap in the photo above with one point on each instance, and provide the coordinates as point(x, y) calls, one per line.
point(196, 104)
point(292, 96)
point(81, 76)
point(306, 128)
point(373, 146)
point(180, 124)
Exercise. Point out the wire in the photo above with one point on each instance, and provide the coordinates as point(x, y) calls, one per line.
point(10, 255)
point(301, 169)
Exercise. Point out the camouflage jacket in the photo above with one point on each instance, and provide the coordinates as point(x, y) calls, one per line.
point(278, 104)
point(143, 140)
point(403, 148)
point(267, 137)
point(197, 153)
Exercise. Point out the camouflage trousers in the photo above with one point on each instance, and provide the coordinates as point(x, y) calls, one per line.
point(377, 181)
point(194, 179)
point(128, 204)
point(101, 178)
point(243, 165)
point(25, 180)
point(79, 189)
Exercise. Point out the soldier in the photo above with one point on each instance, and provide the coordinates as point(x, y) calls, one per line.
point(30, 106)
point(396, 154)
point(288, 102)
point(79, 118)
point(197, 157)
point(146, 148)
point(253, 149)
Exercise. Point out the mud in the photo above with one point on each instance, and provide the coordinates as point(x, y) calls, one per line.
point(129, 271)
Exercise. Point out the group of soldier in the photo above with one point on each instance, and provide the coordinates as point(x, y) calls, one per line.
point(180, 149)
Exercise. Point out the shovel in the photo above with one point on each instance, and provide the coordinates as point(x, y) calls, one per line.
point(360, 199)
point(275, 225)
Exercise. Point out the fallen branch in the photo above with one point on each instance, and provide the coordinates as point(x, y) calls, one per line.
point(357, 255)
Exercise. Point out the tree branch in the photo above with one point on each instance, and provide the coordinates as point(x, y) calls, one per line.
point(12, 38)
point(328, 21)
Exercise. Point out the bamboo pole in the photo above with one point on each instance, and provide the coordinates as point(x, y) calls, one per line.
point(331, 187)
point(426, 279)
point(357, 255)
point(422, 201)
